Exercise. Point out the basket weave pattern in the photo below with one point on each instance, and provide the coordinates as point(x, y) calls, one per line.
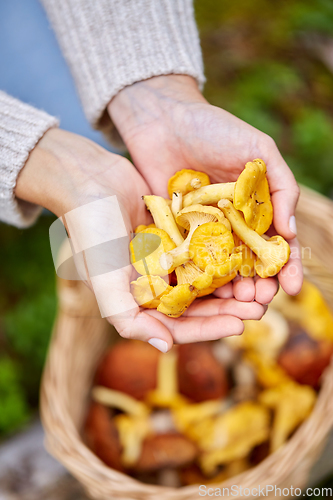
point(80, 338)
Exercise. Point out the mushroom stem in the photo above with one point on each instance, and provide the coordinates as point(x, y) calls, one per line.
point(194, 216)
point(271, 254)
point(207, 195)
point(120, 400)
point(163, 217)
point(196, 183)
point(177, 203)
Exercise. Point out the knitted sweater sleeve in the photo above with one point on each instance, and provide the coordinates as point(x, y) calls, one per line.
point(21, 127)
point(110, 44)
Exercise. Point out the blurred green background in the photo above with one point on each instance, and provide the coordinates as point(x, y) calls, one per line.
point(266, 62)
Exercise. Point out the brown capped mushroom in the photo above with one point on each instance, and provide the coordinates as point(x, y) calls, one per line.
point(129, 367)
point(304, 359)
point(165, 450)
point(102, 436)
point(200, 375)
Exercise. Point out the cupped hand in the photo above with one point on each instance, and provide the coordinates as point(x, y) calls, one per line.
point(167, 125)
point(98, 195)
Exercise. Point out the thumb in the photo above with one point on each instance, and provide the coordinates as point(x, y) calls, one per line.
point(285, 194)
point(118, 306)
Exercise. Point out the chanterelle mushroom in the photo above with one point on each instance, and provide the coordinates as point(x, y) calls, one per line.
point(187, 180)
point(233, 434)
point(175, 303)
point(208, 195)
point(192, 274)
point(163, 218)
point(145, 254)
point(147, 290)
point(292, 404)
point(212, 250)
point(272, 254)
point(252, 197)
point(190, 218)
point(166, 393)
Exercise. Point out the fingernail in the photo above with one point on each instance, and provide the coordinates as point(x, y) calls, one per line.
point(159, 344)
point(292, 224)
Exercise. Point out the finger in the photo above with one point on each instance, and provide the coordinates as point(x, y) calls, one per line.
point(140, 326)
point(285, 194)
point(220, 307)
point(117, 304)
point(291, 275)
point(197, 329)
point(224, 292)
point(265, 289)
point(243, 289)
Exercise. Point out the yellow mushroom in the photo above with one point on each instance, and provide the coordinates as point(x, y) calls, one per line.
point(292, 404)
point(269, 373)
point(146, 249)
point(190, 218)
point(208, 195)
point(132, 432)
point(247, 269)
point(166, 394)
point(272, 254)
point(187, 180)
point(120, 400)
point(252, 196)
point(265, 337)
point(212, 250)
point(163, 218)
point(176, 203)
point(175, 303)
point(192, 274)
point(141, 227)
point(147, 290)
point(188, 415)
point(232, 435)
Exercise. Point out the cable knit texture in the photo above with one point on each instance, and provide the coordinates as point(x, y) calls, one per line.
point(21, 127)
point(110, 44)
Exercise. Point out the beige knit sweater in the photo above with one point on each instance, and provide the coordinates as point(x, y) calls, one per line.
point(108, 45)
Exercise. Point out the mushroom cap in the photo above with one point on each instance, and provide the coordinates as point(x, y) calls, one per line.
point(292, 404)
point(228, 438)
point(175, 303)
point(169, 450)
point(141, 227)
point(252, 196)
point(212, 214)
point(146, 249)
point(102, 436)
point(184, 181)
point(148, 289)
point(276, 256)
point(211, 243)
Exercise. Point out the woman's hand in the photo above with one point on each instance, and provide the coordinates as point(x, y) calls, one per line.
point(167, 125)
point(78, 180)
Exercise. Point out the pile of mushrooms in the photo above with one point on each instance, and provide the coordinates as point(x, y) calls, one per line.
point(206, 234)
point(210, 410)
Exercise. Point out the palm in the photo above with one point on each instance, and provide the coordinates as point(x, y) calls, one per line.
point(209, 139)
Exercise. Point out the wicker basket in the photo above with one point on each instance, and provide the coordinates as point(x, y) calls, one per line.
point(80, 337)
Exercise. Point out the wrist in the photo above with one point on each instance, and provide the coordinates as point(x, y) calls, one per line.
point(55, 176)
point(139, 105)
